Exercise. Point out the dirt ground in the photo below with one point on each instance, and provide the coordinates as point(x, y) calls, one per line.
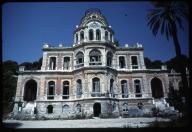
point(88, 123)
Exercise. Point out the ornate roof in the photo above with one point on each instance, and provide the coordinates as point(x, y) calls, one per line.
point(93, 14)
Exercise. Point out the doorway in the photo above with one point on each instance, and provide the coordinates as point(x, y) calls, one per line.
point(97, 109)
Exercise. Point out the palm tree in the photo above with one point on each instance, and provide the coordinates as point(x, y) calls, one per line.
point(166, 17)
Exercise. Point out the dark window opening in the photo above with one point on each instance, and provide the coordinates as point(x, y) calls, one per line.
point(122, 62)
point(82, 36)
point(124, 89)
point(98, 34)
point(95, 87)
point(156, 87)
point(95, 57)
point(66, 90)
point(137, 88)
point(112, 88)
point(51, 90)
point(106, 35)
point(134, 62)
point(66, 63)
point(76, 38)
point(50, 109)
point(78, 108)
point(109, 59)
point(91, 34)
point(79, 88)
point(80, 60)
point(97, 109)
point(52, 63)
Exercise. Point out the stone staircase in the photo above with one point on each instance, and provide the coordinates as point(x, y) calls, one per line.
point(29, 108)
point(164, 107)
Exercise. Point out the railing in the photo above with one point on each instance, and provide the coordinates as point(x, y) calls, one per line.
point(65, 96)
point(138, 94)
point(50, 96)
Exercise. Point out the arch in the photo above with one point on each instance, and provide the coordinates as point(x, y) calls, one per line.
point(95, 87)
point(95, 57)
point(96, 109)
point(65, 89)
point(51, 90)
point(49, 109)
point(79, 88)
point(91, 34)
point(30, 91)
point(137, 84)
point(157, 88)
point(109, 59)
point(98, 34)
point(65, 108)
point(124, 88)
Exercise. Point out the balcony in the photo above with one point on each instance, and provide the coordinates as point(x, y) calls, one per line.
point(95, 94)
point(95, 63)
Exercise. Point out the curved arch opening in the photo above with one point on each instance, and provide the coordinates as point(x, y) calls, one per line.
point(30, 90)
point(157, 88)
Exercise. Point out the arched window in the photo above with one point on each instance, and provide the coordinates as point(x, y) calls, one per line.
point(49, 109)
point(95, 87)
point(66, 63)
point(112, 88)
point(134, 62)
point(122, 62)
point(78, 108)
point(79, 88)
point(52, 63)
point(91, 34)
point(98, 34)
point(109, 59)
point(66, 90)
point(51, 90)
point(137, 84)
point(125, 107)
point(79, 60)
point(65, 109)
point(95, 57)
point(106, 36)
point(82, 36)
point(124, 88)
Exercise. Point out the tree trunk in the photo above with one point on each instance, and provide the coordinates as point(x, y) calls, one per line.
point(182, 70)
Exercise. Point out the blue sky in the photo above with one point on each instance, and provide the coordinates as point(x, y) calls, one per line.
point(26, 26)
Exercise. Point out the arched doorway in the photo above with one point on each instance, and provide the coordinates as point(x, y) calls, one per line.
point(30, 90)
point(96, 109)
point(157, 88)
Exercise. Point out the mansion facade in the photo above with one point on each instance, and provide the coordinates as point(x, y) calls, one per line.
point(94, 77)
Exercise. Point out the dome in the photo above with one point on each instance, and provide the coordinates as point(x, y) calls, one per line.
point(93, 14)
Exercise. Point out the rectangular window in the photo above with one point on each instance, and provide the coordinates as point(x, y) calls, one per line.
point(52, 63)
point(66, 64)
point(121, 62)
point(134, 62)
